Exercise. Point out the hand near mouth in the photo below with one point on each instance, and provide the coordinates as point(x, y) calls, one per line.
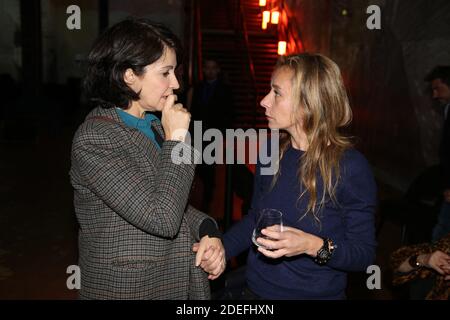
point(175, 119)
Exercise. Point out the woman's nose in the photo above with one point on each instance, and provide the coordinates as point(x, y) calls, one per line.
point(175, 84)
point(265, 102)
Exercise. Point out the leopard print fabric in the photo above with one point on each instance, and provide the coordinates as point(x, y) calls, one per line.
point(441, 288)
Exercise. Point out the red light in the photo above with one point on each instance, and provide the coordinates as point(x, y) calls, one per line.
point(275, 17)
point(281, 48)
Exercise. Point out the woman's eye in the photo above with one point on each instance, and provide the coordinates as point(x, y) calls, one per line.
point(277, 94)
point(166, 74)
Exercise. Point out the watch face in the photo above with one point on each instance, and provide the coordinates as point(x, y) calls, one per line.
point(323, 254)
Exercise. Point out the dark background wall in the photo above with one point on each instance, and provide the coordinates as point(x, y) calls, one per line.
point(398, 126)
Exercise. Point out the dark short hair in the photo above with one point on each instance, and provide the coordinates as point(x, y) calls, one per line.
point(440, 72)
point(132, 43)
point(211, 60)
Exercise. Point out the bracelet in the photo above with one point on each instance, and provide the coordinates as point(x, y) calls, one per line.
point(325, 252)
point(413, 262)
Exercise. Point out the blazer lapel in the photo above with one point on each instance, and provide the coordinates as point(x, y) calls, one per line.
point(156, 125)
point(146, 145)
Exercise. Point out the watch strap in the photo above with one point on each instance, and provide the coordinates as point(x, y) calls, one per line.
point(325, 252)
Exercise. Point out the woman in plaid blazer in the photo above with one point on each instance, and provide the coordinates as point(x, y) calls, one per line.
point(137, 232)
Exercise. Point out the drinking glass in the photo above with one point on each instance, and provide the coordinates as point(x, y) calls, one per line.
point(267, 218)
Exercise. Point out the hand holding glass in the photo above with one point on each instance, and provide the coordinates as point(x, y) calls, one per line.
point(267, 218)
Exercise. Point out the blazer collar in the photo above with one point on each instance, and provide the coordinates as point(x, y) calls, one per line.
point(137, 137)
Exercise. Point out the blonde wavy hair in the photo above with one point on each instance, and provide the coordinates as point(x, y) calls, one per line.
point(321, 112)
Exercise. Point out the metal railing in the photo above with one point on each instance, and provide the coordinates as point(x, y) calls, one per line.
point(243, 25)
point(194, 68)
point(198, 44)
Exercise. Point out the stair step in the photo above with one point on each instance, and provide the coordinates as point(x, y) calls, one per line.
point(221, 42)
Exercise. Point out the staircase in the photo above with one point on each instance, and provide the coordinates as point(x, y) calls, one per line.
point(263, 50)
point(223, 40)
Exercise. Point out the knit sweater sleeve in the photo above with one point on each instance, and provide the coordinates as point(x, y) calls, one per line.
point(357, 197)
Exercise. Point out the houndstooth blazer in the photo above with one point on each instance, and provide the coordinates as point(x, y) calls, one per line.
point(136, 230)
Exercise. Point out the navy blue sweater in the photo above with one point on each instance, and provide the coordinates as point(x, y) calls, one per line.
point(349, 223)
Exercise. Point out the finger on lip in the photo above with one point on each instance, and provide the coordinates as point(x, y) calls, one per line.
point(169, 101)
point(170, 96)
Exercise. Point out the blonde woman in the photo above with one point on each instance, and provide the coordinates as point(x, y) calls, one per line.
point(324, 188)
